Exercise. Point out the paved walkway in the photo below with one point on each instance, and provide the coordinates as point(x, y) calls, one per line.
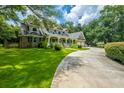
point(89, 68)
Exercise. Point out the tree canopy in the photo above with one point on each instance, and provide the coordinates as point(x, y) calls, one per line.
point(71, 27)
point(108, 27)
point(10, 13)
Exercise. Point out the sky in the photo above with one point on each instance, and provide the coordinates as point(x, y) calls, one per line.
point(78, 14)
point(82, 14)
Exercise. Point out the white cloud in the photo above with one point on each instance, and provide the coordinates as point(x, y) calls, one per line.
point(85, 19)
point(78, 10)
point(100, 7)
point(58, 21)
point(82, 14)
point(71, 17)
point(54, 19)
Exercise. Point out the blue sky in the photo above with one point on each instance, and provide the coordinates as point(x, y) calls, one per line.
point(82, 14)
point(78, 14)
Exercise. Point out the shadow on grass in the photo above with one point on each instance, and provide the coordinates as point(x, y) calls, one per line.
point(32, 68)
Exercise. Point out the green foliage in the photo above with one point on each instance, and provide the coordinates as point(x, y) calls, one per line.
point(115, 50)
point(10, 12)
point(51, 45)
point(51, 24)
point(12, 45)
point(74, 46)
point(58, 47)
point(79, 46)
point(46, 10)
point(43, 44)
point(32, 19)
point(40, 45)
point(100, 44)
point(71, 28)
point(1, 45)
point(8, 31)
point(107, 28)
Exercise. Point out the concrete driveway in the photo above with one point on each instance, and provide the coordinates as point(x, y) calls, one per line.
point(88, 69)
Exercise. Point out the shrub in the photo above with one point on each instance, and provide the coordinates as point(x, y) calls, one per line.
point(79, 46)
point(51, 45)
point(74, 46)
point(100, 44)
point(57, 47)
point(40, 45)
point(12, 45)
point(115, 50)
point(43, 44)
point(1, 45)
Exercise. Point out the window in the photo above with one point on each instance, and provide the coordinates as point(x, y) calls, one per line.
point(59, 33)
point(28, 28)
point(35, 39)
point(34, 29)
point(29, 39)
point(40, 39)
point(63, 33)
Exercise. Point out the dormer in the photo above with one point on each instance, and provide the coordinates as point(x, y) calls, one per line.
point(59, 32)
point(34, 29)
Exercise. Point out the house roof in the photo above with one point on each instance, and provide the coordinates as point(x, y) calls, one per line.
point(43, 31)
point(77, 35)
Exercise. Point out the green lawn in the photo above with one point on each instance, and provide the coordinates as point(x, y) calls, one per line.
point(29, 67)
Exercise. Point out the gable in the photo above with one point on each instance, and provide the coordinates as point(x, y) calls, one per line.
point(77, 35)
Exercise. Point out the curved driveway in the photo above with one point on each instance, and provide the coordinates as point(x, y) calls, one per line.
point(89, 68)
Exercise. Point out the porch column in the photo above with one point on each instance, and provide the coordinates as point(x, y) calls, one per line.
point(32, 42)
point(48, 43)
point(58, 40)
point(72, 41)
point(66, 42)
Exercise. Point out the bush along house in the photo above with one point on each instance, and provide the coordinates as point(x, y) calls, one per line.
point(32, 36)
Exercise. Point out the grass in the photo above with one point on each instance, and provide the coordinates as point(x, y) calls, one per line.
point(32, 68)
point(81, 48)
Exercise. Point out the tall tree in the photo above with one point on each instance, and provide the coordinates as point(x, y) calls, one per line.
point(108, 27)
point(43, 13)
point(32, 19)
point(10, 12)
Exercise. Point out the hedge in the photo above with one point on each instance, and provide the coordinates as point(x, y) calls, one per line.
point(100, 44)
point(115, 51)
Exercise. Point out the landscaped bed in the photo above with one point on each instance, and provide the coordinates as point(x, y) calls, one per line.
point(29, 67)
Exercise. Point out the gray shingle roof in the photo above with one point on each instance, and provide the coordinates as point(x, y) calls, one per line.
point(77, 35)
point(43, 31)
